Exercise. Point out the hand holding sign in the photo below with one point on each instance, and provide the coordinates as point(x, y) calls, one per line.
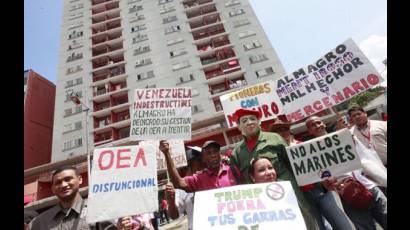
point(164, 147)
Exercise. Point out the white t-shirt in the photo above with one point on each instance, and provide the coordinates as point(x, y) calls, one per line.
point(185, 202)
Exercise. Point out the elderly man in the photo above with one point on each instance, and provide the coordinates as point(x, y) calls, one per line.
point(265, 144)
point(372, 133)
point(215, 175)
point(70, 211)
point(325, 200)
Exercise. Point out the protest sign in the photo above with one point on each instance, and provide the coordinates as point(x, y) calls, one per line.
point(248, 207)
point(329, 155)
point(161, 113)
point(258, 97)
point(123, 182)
point(177, 153)
point(334, 78)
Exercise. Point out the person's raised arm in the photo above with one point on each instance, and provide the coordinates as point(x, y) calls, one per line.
point(170, 195)
point(172, 170)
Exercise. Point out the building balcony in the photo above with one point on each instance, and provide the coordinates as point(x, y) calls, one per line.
point(103, 138)
point(227, 85)
point(217, 56)
point(108, 73)
point(208, 32)
point(106, 37)
point(95, 3)
point(204, 21)
point(222, 69)
point(103, 93)
point(105, 49)
point(111, 104)
point(104, 6)
point(190, 4)
point(107, 61)
point(108, 88)
point(107, 16)
point(116, 121)
point(202, 10)
point(106, 26)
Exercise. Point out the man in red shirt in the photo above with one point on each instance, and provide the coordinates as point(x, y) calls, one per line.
point(216, 174)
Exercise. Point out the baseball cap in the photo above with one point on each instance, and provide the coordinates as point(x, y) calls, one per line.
point(209, 143)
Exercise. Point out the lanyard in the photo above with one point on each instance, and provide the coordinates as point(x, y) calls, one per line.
point(368, 136)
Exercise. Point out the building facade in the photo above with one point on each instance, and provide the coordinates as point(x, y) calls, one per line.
point(39, 94)
point(111, 47)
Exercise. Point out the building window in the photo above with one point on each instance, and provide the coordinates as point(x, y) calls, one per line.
point(67, 96)
point(185, 79)
point(69, 127)
point(232, 3)
point(79, 81)
point(138, 28)
point(241, 22)
point(180, 65)
point(252, 45)
point(143, 62)
point(137, 18)
point(74, 45)
point(69, 83)
point(75, 16)
point(264, 72)
point(174, 41)
point(143, 76)
point(172, 29)
point(166, 9)
point(141, 50)
point(135, 8)
point(71, 144)
point(75, 34)
point(150, 86)
point(196, 109)
point(236, 12)
point(246, 34)
point(257, 58)
point(139, 38)
point(74, 56)
point(76, 7)
point(75, 25)
point(179, 52)
point(160, 2)
point(72, 70)
point(169, 19)
point(68, 112)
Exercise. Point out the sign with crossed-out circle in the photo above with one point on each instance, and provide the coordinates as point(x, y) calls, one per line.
point(275, 191)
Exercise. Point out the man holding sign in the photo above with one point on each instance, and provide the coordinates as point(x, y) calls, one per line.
point(362, 219)
point(216, 175)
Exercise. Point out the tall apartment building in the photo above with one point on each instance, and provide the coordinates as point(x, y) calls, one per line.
point(111, 47)
point(39, 94)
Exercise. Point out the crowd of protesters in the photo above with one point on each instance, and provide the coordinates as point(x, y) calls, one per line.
point(259, 158)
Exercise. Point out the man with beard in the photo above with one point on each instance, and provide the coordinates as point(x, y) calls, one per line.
point(70, 211)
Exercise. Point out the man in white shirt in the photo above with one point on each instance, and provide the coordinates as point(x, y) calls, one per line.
point(372, 133)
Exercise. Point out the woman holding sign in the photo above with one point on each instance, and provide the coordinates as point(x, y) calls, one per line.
point(261, 171)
